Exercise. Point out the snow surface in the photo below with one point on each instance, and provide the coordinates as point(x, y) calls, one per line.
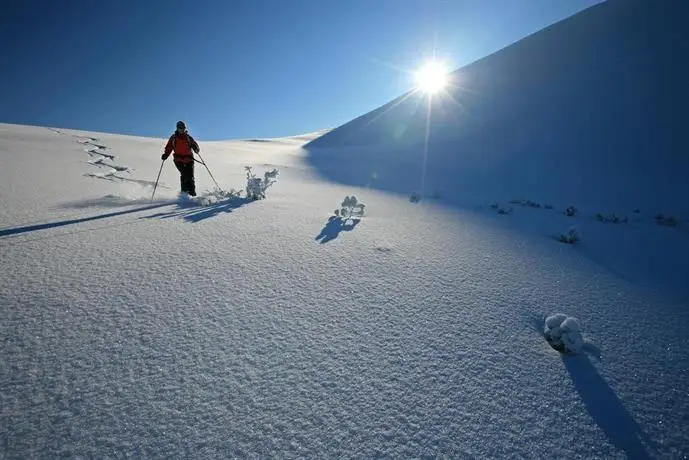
point(273, 328)
point(261, 329)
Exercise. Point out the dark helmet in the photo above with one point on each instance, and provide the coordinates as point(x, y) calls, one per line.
point(181, 126)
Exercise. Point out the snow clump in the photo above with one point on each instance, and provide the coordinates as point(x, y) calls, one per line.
point(563, 334)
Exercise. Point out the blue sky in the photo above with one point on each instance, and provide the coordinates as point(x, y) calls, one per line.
point(237, 69)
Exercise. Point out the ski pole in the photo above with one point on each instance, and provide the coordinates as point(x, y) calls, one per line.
point(209, 171)
point(156, 185)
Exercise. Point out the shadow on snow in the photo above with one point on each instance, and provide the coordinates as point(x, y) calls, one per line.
point(61, 223)
point(193, 212)
point(334, 226)
point(605, 407)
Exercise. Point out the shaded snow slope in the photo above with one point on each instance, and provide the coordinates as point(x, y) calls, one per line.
point(263, 329)
point(590, 111)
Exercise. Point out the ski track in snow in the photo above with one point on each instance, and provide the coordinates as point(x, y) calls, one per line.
point(103, 159)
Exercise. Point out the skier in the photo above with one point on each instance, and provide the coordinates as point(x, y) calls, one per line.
point(184, 147)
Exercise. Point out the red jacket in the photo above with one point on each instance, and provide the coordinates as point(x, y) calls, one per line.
point(183, 145)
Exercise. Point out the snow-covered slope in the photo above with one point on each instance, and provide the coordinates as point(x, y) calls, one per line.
point(590, 111)
point(166, 328)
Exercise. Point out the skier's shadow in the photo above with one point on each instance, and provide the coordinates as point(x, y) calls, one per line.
point(334, 226)
point(6, 232)
point(193, 212)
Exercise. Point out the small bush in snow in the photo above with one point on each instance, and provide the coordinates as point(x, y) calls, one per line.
point(563, 333)
point(500, 209)
point(229, 194)
point(527, 203)
point(217, 196)
point(612, 218)
point(571, 211)
point(415, 197)
point(668, 221)
point(571, 237)
point(548, 206)
point(256, 186)
point(349, 208)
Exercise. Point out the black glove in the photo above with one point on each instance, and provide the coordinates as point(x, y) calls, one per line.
point(164, 157)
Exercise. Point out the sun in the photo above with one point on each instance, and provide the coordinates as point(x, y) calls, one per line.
point(431, 77)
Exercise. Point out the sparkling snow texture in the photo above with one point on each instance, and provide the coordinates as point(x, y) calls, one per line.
point(264, 329)
point(221, 327)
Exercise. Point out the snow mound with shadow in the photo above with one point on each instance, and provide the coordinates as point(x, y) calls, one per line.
point(563, 333)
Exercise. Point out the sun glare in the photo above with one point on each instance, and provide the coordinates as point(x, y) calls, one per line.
point(432, 77)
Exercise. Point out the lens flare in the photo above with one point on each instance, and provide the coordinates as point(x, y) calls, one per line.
point(431, 77)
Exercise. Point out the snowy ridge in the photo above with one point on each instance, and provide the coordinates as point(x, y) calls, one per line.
point(587, 112)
